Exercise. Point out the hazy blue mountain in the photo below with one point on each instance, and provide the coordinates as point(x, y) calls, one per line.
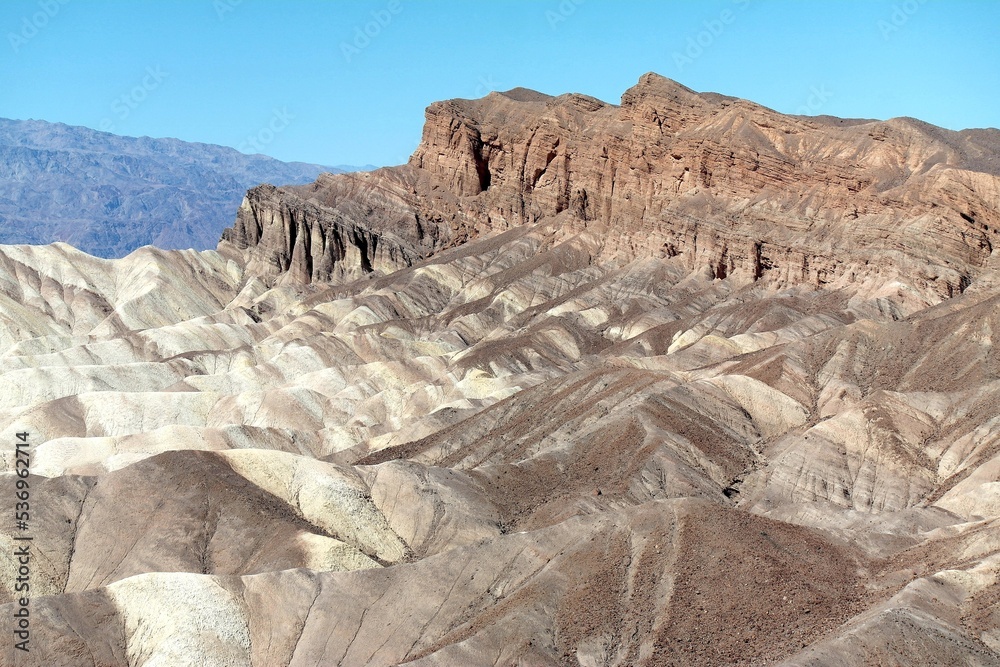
point(107, 194)
point(353, 167)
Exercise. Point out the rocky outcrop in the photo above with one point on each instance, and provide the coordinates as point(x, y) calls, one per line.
point(294, 240)
point(730, 187)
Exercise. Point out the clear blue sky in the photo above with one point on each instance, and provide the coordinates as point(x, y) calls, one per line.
point(299, 80)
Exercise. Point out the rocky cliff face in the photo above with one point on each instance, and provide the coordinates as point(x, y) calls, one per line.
point(730, 187)
point(299, 241)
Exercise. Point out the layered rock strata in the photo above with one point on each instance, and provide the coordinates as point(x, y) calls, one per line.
point(731, 187)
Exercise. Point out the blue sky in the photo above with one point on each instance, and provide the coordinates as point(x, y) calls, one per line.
point(337, 82)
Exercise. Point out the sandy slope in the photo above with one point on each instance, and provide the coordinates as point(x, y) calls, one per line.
point(556, 442)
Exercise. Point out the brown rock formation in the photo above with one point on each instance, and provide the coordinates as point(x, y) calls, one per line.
point(730, 186)
point(301, 241)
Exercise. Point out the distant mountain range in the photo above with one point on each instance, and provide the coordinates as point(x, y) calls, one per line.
point(108, 195)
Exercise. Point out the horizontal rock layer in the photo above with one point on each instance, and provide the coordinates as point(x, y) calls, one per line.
point(729, 186)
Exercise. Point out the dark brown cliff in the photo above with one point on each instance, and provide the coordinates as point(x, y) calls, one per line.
point(731, 188)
